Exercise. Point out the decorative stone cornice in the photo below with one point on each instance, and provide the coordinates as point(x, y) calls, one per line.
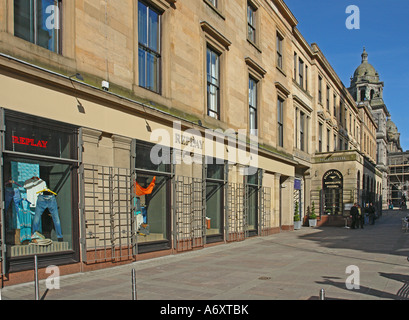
point(216, 35)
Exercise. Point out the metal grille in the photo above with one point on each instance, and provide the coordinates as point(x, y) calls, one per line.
point(237, 222)
point(189, 213)
point(107, 220)
point(265, 211)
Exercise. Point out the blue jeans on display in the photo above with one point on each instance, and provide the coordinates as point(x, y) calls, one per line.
point(11, 194)
point(50, 203)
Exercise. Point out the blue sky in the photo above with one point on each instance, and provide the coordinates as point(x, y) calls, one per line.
point(384, 32)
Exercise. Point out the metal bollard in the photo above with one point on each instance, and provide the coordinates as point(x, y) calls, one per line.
point(322, 294)
point(36, 287)
point(133, 285)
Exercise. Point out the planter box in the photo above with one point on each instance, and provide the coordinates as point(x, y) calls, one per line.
point(297, 225)
point(312, 222)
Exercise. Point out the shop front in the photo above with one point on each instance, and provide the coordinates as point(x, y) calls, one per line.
point(40, 191)
point(341, 179)
point(332, 186)
point(152, 197)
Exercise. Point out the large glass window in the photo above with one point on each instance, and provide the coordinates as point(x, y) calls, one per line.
point(213, 83)
point(280, 122)
point(252, 202)
point(279, 45)
point(301, 73)
point(152, 194)
point(149, 47)
point(39, 206)
point(40, 185)
point(39, 21)
point(214, 201)
point(253, 106)
point(302, 131)
point(251, 23)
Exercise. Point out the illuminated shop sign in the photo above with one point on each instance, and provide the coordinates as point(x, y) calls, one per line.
point(33, 135)
point(29, 142)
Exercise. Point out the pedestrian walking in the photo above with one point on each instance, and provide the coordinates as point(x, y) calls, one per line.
point(354, 216)
point(366, 216)
point(372, 214)
point(360, 217)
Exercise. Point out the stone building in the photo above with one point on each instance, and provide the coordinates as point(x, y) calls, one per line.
point(367, 90)
point(151, 127)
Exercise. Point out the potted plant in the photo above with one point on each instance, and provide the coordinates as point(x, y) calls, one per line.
point(312, 218)
point(297, 219)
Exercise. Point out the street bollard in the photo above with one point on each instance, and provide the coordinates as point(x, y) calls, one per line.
point(322, 294)
point(36, 287)
point(133, 285)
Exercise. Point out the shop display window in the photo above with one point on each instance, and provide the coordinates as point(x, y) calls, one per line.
point(151, 208)
point(252, 200)
point(39, 186)
point(38, 206)
point(214, 200)
point(151, 194)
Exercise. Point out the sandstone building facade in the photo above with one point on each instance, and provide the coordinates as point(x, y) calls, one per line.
point(151, 127)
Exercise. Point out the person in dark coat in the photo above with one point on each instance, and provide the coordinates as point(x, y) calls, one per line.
point(354, 216)
point(372, 213)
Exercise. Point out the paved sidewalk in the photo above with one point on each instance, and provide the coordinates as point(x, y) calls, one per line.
point(286, 266)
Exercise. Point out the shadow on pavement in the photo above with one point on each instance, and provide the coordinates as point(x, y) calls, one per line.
point(402, 294)
point(385, 236)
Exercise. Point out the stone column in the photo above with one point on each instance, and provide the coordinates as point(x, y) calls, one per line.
point(276, 205)
point(287, 203)
point(121, 151)
point(90, 140)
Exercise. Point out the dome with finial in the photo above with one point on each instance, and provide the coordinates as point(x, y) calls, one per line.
point(365, 72)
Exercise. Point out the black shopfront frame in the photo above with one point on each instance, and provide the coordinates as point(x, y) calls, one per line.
point(26, 262)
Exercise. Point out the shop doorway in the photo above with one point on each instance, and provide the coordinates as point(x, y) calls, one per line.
point(332, 185)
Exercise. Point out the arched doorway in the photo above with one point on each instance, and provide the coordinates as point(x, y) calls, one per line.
point(332, 185)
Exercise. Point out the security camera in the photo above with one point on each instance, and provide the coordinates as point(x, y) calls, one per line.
point(105, 85)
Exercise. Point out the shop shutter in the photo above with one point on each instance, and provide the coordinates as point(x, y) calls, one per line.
point(189, 213)
point(108, 230)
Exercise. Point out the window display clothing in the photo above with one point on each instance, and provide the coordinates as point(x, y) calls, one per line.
point(33, 186)
point(13, 195)
point(25, 218)
point(22, 216)
point(47, 202)
point(139, 191)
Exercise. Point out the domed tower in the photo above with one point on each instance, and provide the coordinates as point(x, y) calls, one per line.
point(367, 90)
point(365, 84)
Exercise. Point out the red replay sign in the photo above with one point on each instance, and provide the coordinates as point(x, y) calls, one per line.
point(30, 142)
